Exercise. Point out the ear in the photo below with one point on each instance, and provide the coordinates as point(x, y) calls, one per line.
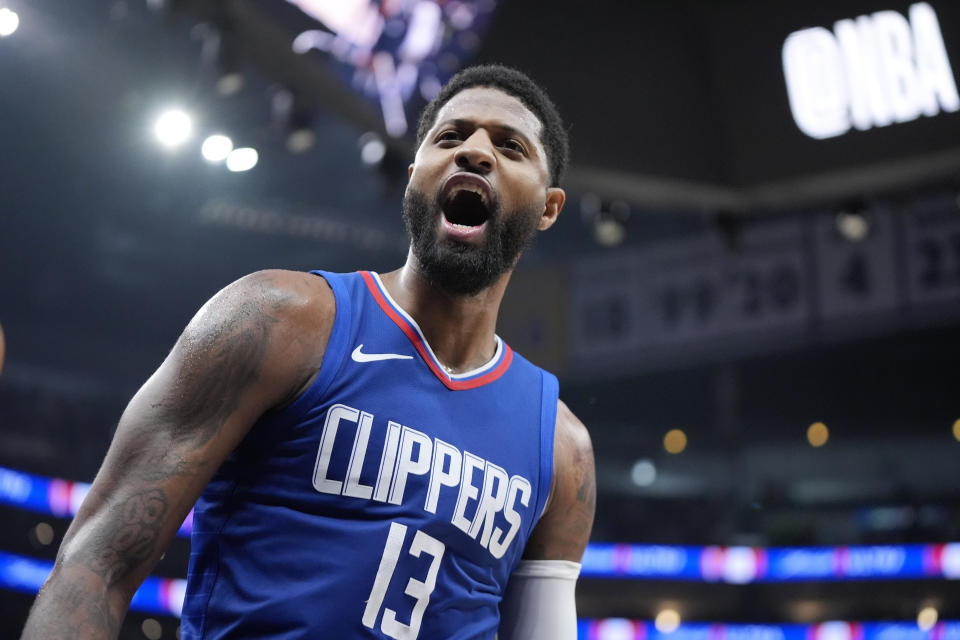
point(409, 171)
point(551, 208)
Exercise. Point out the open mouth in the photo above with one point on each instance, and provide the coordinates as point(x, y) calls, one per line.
point(466, 206)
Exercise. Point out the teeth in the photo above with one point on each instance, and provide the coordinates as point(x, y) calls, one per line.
point(472, 188)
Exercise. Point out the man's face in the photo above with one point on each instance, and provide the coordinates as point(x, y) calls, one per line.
point(478, 191)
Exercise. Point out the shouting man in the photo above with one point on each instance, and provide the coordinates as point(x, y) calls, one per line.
point(367, 457)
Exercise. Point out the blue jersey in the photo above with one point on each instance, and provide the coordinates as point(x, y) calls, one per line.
point(390, 500)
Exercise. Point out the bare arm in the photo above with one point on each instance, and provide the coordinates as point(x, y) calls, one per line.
point(564, 529)
point(539, 603)
point(253, 346)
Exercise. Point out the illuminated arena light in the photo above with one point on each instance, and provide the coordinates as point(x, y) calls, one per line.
point(852, 226)
point(216, 148)
point(675, 441)
point(372, 149)
point(301, 140)
point(230, 84)
point(927, 618)
point(667, 621)
point(151, 629)
point(643, 473)
point(9, 22)
point(43, 533)
point(173, 128)
point(818, 434)
point(242, 159)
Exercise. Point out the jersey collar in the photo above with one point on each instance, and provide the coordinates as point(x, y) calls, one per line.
point(478, 377)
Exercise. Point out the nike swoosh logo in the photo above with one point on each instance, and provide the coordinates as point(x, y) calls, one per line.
point(359, 356)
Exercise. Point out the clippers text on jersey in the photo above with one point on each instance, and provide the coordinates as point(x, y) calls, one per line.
point(481, 486)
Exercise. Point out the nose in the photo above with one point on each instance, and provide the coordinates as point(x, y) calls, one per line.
point(476, 153)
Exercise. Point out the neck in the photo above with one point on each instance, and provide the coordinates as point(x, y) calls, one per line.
point(459, 329)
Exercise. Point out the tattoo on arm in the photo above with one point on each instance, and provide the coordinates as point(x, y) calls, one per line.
point(71, 608)
point(84, 619)
point(582, 512)
point(219, 364)
point(563, 531)
point(130, 539)
point(214, 382)
point(587, 493)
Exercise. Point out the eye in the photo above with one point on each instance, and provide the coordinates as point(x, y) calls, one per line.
point(450, 135)
point(513, 145)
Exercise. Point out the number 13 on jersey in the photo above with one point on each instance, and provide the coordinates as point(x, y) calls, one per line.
point(420, 590)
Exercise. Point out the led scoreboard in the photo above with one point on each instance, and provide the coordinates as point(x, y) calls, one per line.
point(872, 71)
point(394, 52)
point(815, 88)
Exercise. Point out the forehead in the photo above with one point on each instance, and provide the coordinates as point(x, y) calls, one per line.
point(485, 105)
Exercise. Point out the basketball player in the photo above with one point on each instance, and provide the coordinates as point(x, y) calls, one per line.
point(374, 461)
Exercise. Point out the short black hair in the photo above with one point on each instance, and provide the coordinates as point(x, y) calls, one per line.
point(520, 86)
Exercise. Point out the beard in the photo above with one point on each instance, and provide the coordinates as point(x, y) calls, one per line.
point(465, 269)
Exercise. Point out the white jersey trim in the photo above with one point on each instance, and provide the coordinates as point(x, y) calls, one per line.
point(453, 376)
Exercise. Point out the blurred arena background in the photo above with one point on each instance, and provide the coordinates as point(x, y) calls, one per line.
point(753, 299)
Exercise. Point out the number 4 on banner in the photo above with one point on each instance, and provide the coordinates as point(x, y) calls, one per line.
point(856, 278)
point(420, 590)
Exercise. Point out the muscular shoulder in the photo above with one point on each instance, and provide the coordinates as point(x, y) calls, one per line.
point(572, 440)
point(564, 529)
point(289, 294)
point(281, 319)
point(294, 302)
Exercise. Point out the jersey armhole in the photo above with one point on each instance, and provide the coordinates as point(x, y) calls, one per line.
point(337, 346)
point(548, 427)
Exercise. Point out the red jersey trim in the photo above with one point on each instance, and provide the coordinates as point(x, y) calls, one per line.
point(414, 336)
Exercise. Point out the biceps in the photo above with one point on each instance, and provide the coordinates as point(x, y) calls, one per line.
point(172, 437)
point(222, 374)
point(182, 420)
point(214, 374)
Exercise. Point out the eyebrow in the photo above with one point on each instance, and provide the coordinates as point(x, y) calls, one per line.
point(462, 123)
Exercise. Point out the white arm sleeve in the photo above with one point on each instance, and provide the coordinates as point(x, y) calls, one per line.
point(539, 603)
